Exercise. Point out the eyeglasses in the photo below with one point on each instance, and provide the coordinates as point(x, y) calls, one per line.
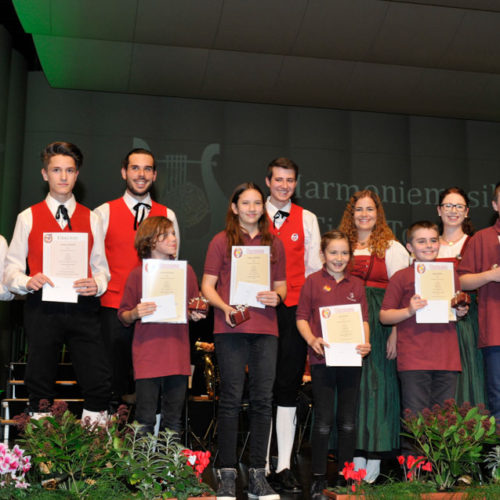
point(448, 207)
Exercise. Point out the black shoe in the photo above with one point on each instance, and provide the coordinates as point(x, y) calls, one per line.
point(318, 485)
point(227, 484)
point(258, 487)
point(286, 481)
point(341, 481)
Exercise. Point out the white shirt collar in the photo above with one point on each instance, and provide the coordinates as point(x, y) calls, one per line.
point(130, 201)
point(53, 204)
point(271, 209)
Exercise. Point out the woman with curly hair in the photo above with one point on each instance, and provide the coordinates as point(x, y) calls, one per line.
point(377, 256)
point(456, 229)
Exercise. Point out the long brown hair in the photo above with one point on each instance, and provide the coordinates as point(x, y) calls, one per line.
point(233, 230)
point(381, 234)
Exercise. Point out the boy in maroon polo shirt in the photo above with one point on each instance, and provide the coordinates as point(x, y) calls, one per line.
point(428, 353)
point(50, 324)
point(480, 269)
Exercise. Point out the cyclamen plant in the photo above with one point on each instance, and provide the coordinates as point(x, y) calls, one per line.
point(414, 466)
point(353, 477)
point(13, 467)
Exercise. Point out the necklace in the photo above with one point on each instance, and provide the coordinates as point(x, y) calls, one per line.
point(451, 243)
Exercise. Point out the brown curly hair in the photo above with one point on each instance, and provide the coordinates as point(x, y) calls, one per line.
point(233, 230)
point(147, 234)
point(381, 234)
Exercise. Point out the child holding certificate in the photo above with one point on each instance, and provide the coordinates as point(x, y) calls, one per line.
point(160, 351)
point(332, 286)
point(251, 343)
point(428, 353)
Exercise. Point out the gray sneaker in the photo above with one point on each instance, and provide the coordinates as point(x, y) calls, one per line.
point(258, 487)
point(318, 485)
point(227, 484)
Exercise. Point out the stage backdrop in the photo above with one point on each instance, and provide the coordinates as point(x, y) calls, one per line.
point(205, 148)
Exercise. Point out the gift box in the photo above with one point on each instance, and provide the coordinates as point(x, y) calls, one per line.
point(241, 314)
point(460, 299)
point(198, 304)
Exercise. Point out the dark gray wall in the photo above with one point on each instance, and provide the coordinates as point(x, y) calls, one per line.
point(205, 148)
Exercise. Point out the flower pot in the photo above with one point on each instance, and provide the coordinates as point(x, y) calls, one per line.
point(444, 495)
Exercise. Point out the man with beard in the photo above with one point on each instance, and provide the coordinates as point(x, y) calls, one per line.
point(120, 219)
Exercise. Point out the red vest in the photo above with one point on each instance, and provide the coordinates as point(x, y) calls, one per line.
point(371, 269)
point(291, 233)
point(120, 252)
point(45, 222)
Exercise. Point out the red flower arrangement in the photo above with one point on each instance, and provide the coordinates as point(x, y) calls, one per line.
point(355, 476)
point(198, 460)
point(413, 466)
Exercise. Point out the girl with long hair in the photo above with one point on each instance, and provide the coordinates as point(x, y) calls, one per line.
point(456, 229)
point(252, 343)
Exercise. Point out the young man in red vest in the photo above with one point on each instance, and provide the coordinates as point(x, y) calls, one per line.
point(298, 229)
point(120, 219)
point(48, 325)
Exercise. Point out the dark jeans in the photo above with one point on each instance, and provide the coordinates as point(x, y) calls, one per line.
point(172, 392)
point(325, 381)
point(423, 389)
point(292, 352)
point(48, 326)
point(491, 356)
point(234, 352)
point(118, 342)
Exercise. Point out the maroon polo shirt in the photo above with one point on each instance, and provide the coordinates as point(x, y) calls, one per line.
point(218, 263)
point(322, 290)
point(421, 346)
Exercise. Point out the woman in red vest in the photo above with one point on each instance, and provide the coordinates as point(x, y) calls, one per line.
point(377, 256)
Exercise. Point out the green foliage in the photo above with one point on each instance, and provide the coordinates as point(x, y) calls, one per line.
point(156, 467)
point(81, 460)
point(452, 439)
point(492, 462)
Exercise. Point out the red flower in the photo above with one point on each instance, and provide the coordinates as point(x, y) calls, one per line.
point(410, 461)
point(401, 460)
point(427, 467)
point(409, 475)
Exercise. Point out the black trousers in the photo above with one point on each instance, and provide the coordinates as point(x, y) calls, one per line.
point(423, 389)
point(49, 325)
point(326, 380)
point(118, 342)
point(292, 352)
point(171, 391)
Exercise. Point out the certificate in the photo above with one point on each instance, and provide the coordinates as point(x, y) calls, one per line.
point(65, 260)
point(434, 281)
point(250, 274)
point(164, 283)
point(342, 327)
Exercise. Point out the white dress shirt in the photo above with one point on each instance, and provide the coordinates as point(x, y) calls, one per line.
point(130, 201)
point(312, 236)
point(4, 291)
point(15, 267)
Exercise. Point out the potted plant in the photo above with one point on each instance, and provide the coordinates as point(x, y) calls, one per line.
point(115, 460)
